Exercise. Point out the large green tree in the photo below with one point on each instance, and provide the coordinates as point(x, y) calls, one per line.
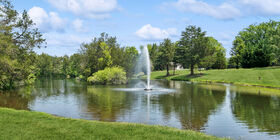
point(166, 53)
point(257, 45)
point(153, 52)
point(192, 47)
point(95, 53)
point(236, 52)
point(105, 52)
point(176, 58)
point(18, 37)
point(130, 56)
point(216, 58)
point(44, 65)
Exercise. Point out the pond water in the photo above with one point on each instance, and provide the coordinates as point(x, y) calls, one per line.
point(216, 109)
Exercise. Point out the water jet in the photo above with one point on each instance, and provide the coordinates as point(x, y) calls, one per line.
point(144, 66)
point(148, 67)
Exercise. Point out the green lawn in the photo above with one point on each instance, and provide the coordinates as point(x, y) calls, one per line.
point(34, 126)
point(269, 77)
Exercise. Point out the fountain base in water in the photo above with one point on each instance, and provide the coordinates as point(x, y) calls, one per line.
point(148, 89)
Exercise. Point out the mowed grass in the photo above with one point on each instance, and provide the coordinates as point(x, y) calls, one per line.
point(268, 77)
point(26, 125)
point(162, 74)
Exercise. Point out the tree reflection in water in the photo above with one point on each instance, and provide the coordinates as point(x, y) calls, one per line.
point(106, 105)
point(193, 104)
point(258, 112)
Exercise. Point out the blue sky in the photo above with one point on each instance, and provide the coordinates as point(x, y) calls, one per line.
point(66, 24)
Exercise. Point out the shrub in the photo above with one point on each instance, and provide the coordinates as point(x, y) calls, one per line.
point(30, 79)
point(113, 75)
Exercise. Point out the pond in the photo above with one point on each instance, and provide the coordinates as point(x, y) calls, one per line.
point(217, 109)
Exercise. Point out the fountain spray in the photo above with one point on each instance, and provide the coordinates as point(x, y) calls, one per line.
point(148, 67)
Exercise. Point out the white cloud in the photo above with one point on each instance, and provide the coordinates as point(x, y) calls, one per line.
point(229, 9)
point(87, 8)
point(55, 21)
point(222, 11)
point(38, 15)
point(148, 32)
point(78, 25)
point(45, 21)
point(263, 7)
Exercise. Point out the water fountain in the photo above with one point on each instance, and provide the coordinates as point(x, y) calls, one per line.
point(148, 67)
point(144, 66)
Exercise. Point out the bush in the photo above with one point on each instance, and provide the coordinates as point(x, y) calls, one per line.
point(30, 79)
point(113, 75)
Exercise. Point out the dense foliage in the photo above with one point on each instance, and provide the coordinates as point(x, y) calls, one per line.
point(113, 75)
point(165, 54)
point(195, 48)
point(216, 57)
point(19, 64)
point(257, 46)
point(104, 52)
point(18, 37)
point(97, 55)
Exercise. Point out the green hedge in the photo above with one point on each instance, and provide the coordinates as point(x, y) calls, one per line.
point(113, 75)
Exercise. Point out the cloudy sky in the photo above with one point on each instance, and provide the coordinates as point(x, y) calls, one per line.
point(66, 24)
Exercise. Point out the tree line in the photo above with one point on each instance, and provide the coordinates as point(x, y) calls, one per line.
point(20, 65)
point(100, 53)
point(194, 50)
point(255, 46)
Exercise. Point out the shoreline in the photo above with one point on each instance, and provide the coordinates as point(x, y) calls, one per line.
point(231, 83)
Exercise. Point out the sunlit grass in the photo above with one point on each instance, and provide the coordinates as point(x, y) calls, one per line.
point(268, 77)
point(34, 126)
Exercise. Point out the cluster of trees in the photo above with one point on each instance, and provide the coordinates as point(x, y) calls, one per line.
point(19, 64)
point(18, 38)
point(105, 52)
point(100, 53)
point(194, 49)
point(257, 46)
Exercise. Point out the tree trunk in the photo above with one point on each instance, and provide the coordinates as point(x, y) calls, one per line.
point(167, 70)
point(174, 68)
point(192, 69)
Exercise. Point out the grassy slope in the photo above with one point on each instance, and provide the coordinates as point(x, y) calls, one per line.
point(269, 77)
point(34, 125)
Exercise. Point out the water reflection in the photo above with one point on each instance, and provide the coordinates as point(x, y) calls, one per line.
point(12, 99)
point(260, 113)
point(221, 110)
point(106, 105)
point(192, 105)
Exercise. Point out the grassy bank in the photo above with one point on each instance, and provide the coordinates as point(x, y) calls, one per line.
point(268, 77)
point(34, 125)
